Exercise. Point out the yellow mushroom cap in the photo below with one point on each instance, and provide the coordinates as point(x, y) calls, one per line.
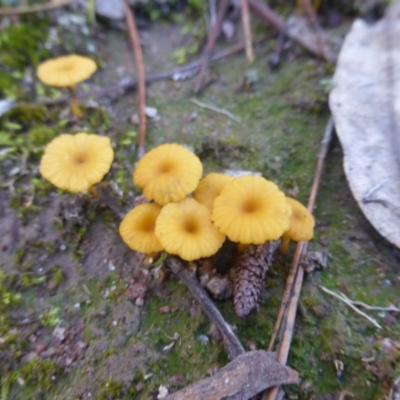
point(76, 162)
point(210, 187)
point(251, 210)
point(302, 223)
point(137, 228)
point(168, 173)
point(185, 229)
point(66, 71)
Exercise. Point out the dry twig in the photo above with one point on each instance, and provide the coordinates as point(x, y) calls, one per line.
point(274, 19)
point(247, 30)
point(315, 24)
point(210, 45)
point(51, 5)
point(140, 73)
point(287, 312)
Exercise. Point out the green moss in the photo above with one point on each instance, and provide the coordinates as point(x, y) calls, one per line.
point(22, 45)
point(24, 114)
point(37, 376)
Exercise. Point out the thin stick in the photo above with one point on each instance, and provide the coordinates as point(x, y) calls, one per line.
point(140, 73)
point(274, 19)
point(232, 344)
point(210, 45)
point(216, 109)
point(247, 30)
point(350, 303)
point(51, 5)
point(288, 309)
point(315, 24)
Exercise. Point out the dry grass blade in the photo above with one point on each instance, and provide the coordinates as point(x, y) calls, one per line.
point(140, 73)
point(247, 30)
point(287, 313)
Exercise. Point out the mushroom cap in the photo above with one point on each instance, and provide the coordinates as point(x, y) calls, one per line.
point(185, 229)
point(76, 162)
point(210, 187)
point(302, 223)
point(168, 173)
point(66, 71)
point(137, 228)
point(251, 210)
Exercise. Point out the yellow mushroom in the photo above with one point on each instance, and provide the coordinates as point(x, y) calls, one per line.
point(137, 228)
point(210, 187)
point(301, 225)
point(168, 173)
point(76, 162)
point(251, 210)
point(67, 71)
point(185, 229)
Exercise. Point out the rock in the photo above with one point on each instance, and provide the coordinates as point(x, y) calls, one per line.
point(111, 9)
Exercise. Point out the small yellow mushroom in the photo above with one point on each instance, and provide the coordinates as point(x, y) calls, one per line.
point(251, 210)
point(185, 229)
point(137, 229)
point(76, 162)
point(67, 71)
point(168, 173)
point(301, 225)
point(210, 187)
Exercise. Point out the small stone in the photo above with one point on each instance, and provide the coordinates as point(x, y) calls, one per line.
point(139, 302)
point(151, 112)
point(162, 392)
point(59, 333)
point(323, 241)
point(220, 288)
point(165, 310)
point(318, 311)
point(203, 339)
point(215, 333)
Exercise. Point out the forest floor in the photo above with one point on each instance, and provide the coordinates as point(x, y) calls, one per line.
point(82, 317)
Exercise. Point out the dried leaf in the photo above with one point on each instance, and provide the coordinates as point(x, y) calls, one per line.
point(365, 104)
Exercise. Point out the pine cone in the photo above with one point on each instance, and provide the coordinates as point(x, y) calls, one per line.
point(251, 267)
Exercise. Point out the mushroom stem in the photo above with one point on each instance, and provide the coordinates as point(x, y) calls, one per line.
point(75, 109)
point(284, 247)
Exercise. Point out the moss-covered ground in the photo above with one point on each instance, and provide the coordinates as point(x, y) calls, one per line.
point(70, 327)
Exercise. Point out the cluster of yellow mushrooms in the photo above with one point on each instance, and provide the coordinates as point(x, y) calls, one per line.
point(191, 216)
point(186, 214)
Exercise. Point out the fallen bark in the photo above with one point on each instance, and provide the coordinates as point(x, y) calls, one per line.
point(241, 379)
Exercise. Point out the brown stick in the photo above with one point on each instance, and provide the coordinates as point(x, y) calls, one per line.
point(51, 5)
point(247, 30)
point(140, 73)
point(232, 344)
point(315, 24)
point(210, 45)
point(272, 18)
point(288, 310)
point(242, 378)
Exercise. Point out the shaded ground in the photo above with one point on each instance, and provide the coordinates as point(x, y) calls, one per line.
point(80, 315)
